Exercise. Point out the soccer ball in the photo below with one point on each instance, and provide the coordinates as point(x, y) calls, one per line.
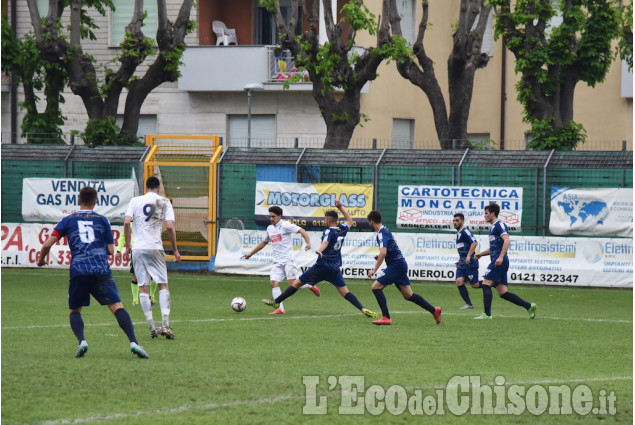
point(239, 304)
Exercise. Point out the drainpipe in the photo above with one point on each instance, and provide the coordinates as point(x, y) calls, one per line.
point(503, 94)
point(14, 84)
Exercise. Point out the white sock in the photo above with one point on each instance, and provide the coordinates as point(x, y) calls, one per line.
point(164, 302)
point(305, 286)
point(276, 292)
point(144, 300)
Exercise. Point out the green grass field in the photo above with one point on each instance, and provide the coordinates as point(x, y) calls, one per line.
point(234, 368)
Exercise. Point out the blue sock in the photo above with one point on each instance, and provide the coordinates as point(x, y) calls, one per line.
point(513, 298)
point(77, 325)
point(351, 298)
point(487, 299)
point(464, 294)
point(421, 302)
point(286, 294)
point(123, 318)
point(381, 300)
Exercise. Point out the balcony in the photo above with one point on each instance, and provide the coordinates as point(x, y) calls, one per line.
point(231, 68)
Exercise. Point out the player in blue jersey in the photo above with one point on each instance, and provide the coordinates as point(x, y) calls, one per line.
point(396, 272)
point(467, 266)
point(327, 266)
point(90, 240)
point(496, 275)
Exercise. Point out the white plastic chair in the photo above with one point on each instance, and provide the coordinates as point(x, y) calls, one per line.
point(224, 35)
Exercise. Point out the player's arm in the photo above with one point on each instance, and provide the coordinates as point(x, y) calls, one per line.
point(257, 248)
point(482, 254)
point(46, 247)
point(506, 243)
point(121, 243)
point(468, 260)
point(305, 235)
point(380, 260)
point(347, 217)
point(172, 235)
point(111, 248)
point(322, 247)
point(127, 234)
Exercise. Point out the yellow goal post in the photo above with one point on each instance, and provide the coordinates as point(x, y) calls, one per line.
point(187, 168)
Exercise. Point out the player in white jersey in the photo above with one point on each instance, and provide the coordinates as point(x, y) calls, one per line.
point(279, 233)
point(147, 213)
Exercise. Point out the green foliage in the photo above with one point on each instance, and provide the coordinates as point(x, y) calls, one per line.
point(625, 44)
point(483, 144)
point(270, 5)
point(579, 49)
point(359, 17)
point(105, 133)
point(174, 59)
point(399, 50)
point(565, 137)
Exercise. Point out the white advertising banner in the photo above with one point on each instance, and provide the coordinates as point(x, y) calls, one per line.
point(433, 207)
point(21, 245)
point(49, 199)
point(591, 212)
point(541, 260)
point(304, 204)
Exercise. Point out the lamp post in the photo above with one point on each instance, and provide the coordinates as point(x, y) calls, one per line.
point(251, 88)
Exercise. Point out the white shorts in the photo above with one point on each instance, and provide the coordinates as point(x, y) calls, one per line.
point(279, 271)
point(149, 263)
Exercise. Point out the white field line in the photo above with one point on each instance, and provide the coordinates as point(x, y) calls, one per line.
point(276, 399)
point(323, 316)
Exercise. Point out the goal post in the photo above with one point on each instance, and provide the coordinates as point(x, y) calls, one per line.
point(186, 166)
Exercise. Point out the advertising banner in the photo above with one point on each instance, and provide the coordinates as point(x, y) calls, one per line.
point(433, 207)
point(21, 245)
point(591, 212)
point(49, 199)
point(431, 257)
point(304, 204)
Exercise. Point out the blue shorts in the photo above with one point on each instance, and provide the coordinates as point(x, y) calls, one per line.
point(497, 274)
point(102, 287)
point(470, 273)
point(319, 273)
point(396, 273)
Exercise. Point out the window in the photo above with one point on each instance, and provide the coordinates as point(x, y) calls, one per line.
point(266, 30)
point(402, 131)
point(406, 10)
point(488, 35)
point(147, 125)
point(263, 131)
point(480, 140)
point(43, 8)
point(121, 16)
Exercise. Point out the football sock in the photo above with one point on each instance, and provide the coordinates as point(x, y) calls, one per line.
point(144, 300)
point(125, 323)
point(351, 298)
point(381, 300)
point(305, 286)
point(135, 291)
point(77, 325)
point(286, 294)
point(153, 288)
point(513, 298)
point(487, 299)
point(164, 302)
point(421, 302)
point(464, 294)
point(276, 292)
point(479, 284)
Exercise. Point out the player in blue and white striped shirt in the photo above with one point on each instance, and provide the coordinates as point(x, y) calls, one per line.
point(327, 266)
point(467, 266)
point(496, 275)
point(90, 240)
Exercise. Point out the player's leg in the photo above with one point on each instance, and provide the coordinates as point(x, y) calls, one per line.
point(158, 272)
point(153, 291)
point(133, 285)
point(77, 326)
point(460, 284)
point(78, 296)
point(337, 280)
point(486, 286)
point(378, 291)
point(406, 292)
point(278, 272)
point(143, 281)
point(515, 299)
point(125, 323)
point(291, 289)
